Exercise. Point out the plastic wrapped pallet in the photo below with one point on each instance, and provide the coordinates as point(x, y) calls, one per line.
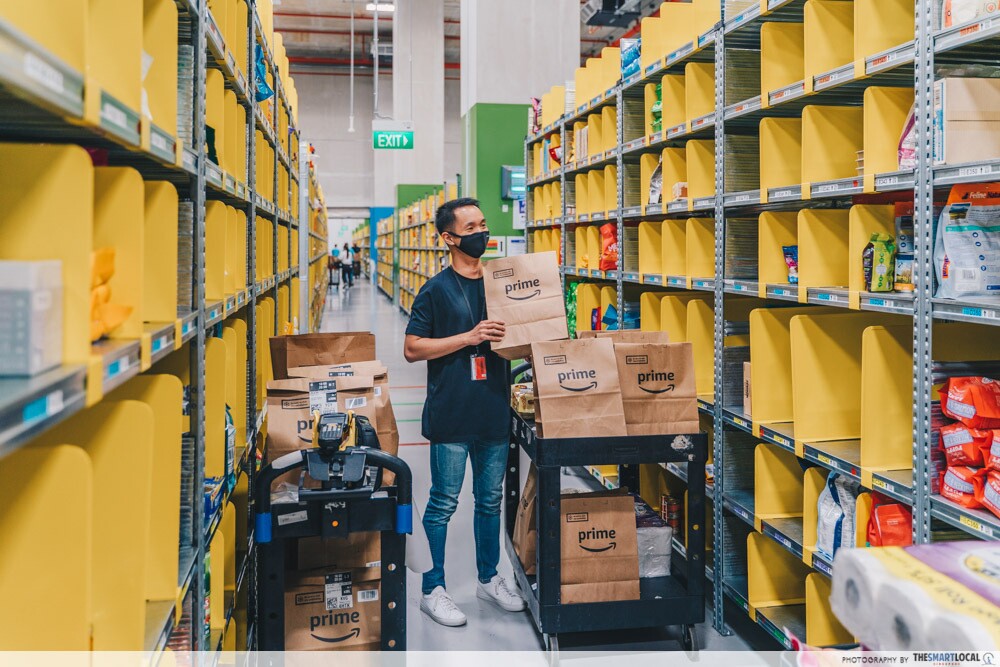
point(655, 541)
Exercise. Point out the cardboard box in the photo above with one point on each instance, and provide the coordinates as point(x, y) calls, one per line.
point(525, 293)
point(658, 388)
point(31, 329)
point(357, 551)
point(326, 349)
point(599, 544)
point(966, 120)
point(746, 389)
point(328, 610)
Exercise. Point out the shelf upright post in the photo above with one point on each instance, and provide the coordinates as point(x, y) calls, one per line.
point(563, 139)
point(719, 549)
point(923, 220)
point(620, 222)
point(276, 106)
point(251, 314)
point(197, 348)
point(305, 233)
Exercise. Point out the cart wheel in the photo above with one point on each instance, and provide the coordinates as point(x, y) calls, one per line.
point(689, 639)
point(552, 644)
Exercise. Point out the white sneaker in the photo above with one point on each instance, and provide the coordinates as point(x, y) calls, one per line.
point(439, 606)
point(500, 594)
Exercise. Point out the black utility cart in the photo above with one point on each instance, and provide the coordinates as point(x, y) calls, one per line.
point(351, 500)
point(663, 600)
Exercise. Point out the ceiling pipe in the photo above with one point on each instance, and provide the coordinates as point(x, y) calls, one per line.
point(319, 31)
point(320, 60)
point(344, 17)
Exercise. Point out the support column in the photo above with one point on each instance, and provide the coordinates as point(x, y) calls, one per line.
point(511, 51)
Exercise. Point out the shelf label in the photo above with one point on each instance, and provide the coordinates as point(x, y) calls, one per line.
point(888, 181)
point(742, 513)
point(878, 303)
point(681, 52)
point(969, 311)
point(42, 72)
point(780, 291)
point(969, 522)
point(650, 279)
point(828, 187)
point(784, 194)
point(43, 407)
point(116, 368)
point(742, 423)
point(826, 296)
point(160, 343)
point(821, 565)
point(978, 170)
point(677, 130)
point(738, 199)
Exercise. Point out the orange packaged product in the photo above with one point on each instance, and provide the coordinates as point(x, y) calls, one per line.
point(991, 492)
point(993, 456)
point(964, 485)
point(974, 401)
point(964, 446)
point(890, 523)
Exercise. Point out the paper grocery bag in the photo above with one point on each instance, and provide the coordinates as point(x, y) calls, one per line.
point(525, 523)
point(629, 336)
point(658, 389)
point(600, 552)
point(577, 394)
point(319, 350)
point(289, 421)
point(525, 292)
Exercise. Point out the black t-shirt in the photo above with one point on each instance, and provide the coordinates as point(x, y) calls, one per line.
point(458, 408)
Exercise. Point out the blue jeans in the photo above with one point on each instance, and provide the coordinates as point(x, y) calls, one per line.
point(489, 458)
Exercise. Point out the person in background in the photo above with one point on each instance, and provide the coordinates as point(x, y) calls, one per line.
point(467, 410)
point(347, 266)
point(357, 259)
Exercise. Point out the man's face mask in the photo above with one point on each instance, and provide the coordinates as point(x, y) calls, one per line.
point(473, 245)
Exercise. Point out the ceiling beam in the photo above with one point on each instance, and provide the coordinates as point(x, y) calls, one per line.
point(347, 17)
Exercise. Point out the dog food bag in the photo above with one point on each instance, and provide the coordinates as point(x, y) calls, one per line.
point(964, 485)
point(964, 446)
point(974, 401)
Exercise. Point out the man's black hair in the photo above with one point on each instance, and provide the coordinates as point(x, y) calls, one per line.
point(445, 218)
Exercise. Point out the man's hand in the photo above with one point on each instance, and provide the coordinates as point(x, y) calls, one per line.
point(491, 331)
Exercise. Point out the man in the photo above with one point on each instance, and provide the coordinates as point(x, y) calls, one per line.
point(356, 249)
point(347, 264)
point(466, 414)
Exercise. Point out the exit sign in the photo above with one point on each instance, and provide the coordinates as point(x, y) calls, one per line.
point(392, 139)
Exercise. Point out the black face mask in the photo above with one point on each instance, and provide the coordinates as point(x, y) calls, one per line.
point(473, 245)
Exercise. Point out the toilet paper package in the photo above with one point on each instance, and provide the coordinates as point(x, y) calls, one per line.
point(655, 541)
point(943, 596)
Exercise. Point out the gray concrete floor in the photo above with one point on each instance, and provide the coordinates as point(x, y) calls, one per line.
point(364, 308)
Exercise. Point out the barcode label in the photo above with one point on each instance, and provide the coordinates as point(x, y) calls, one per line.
point(43, 73)
point(355, 403)
point(338, 591)
point(368, 596)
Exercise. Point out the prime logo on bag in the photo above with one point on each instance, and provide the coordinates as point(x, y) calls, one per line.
point(521, 285)
point(578, 375)
point(334, 620)
point(592, 533)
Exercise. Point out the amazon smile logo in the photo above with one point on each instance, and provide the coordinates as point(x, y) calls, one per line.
point(355, 633)
point(597, 534)
point(520, 285)
point(576, 375)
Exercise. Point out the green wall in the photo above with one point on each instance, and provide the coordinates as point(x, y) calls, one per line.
point(494, 137)
point(407, 194)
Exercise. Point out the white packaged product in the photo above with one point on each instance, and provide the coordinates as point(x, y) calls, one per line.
point(655, 541)
point(836, 511)
point(967, 245)
point(957, 12)
point(31, 330)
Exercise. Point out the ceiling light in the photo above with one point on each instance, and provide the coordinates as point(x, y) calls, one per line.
point(381, 6)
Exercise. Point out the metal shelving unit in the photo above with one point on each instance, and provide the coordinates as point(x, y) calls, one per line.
point(910, 64)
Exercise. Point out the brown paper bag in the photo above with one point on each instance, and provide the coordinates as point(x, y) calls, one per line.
point(600, 548)
point(629, 336)
point(658, 389)
point(319, 350)
point(577, 394)
point(525, 292)
point(525, 528)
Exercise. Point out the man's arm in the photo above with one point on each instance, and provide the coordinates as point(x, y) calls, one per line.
point(418, 348)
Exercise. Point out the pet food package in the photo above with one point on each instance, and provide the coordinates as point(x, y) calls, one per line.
point(907, 151)
point(967, 246)
point(836, 512)
point(609, 247)
point(964, 446)
point(890, 523)
point(991, 492)
point(525, 292)
point(993, 456)
point(658, 389)
point(974, 401)
point(577, 392)
point(879, 261)
point(957, 12)
point(964, 485)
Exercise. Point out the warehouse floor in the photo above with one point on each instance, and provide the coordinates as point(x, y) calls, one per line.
point(364, 308)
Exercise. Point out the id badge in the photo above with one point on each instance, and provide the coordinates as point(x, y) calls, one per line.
point(478, 365)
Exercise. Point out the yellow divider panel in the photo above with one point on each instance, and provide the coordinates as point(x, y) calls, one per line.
point(649, 311)
point(593, 236)
point(782, 56)
point(215, 407)
point(829, 35)
point(865, 220)
point(159, 296)
point(118, 437)
point(610, 188)
point(887, 397)
point(675, 170)
point(823, 249)
point(778, 483)
point(880, 25)
point(700, 251)
point(701, 168)
point(283, 305)
point(216, 226)
point(215, 114)
point(609, 297)
point(674, 314)
point(699, 89)
point(595, 138)
point(775, 230)
point(885, 112)
point(118, 210)
point(47, 551)
point(700, 332)
point(588, 297)
point(118, 70)
point(780, 151)
point(650, 248)
point(228, 528)
point(673, 234)
point(673, 93)
point(831, 139)
point(231, 263)
point(649, 98)
point(217, 595)
point(596, 191)
point(59, 27)
point(159, 40)
point(814, 479)
point(826, 374)
point(774, 577)
point(46, 212)
point(822, 626)
point(609, 124)
point(165, 395)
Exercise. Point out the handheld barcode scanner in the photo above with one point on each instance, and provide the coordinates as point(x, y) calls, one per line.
point(347, 462)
